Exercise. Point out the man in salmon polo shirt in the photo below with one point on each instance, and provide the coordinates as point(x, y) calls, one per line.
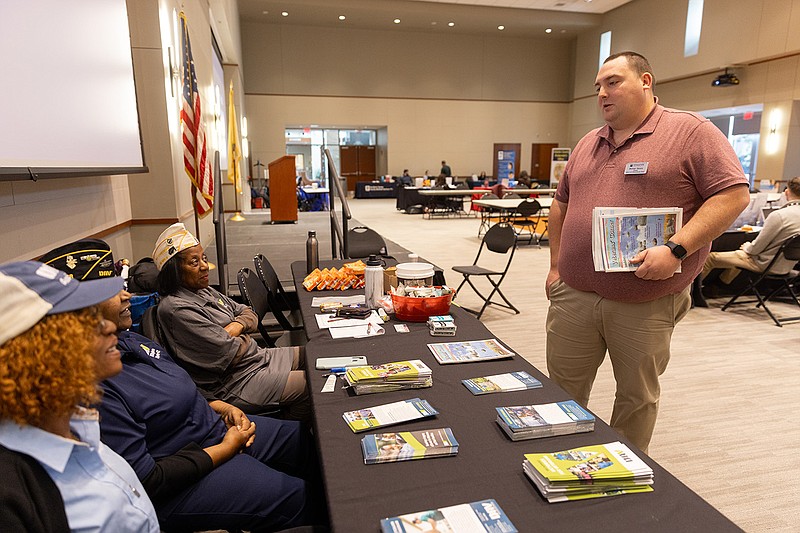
point(646, 155)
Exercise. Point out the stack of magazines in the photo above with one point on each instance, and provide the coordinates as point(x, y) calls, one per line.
point(388, 414)
point(469, 351)
point(408, 445)
point(522, 422)
point(508, 382)
point(588, 472)
point(476, 517)
point(619, 233)
point(399, 375)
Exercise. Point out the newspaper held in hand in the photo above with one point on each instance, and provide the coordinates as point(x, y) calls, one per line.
point(620, 233)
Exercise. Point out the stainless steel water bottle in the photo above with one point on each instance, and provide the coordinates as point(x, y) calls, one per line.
point(312, 252)
point(373, 282)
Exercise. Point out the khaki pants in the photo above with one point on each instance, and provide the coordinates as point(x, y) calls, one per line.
point(731, 262)
point(582, 326)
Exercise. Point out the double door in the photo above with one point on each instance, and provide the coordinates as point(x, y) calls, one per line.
point(358, 163)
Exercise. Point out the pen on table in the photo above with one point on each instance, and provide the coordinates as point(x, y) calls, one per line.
point(338, 371)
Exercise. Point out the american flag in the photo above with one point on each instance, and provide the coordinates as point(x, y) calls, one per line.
point(195, 151)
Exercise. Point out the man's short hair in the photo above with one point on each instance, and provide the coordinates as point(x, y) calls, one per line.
point(637, 62)
point(794, 186)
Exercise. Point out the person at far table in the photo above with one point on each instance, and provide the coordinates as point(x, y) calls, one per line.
point(755, 255)
point(441, 182)
point(55, 348)
point(209, 334)
point(646, 155)
point(405, 179)
point(188, 451)
point(524, 180)
point(446, 171)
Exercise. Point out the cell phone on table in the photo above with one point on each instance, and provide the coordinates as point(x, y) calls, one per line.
point(326, 363)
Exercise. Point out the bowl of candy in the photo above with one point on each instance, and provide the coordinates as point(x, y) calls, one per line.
point(416, 304)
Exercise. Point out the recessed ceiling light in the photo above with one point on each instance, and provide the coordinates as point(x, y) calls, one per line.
point(342, 17)
point(285, 13)
point(501, 28)
point(265, 12)
point(548, 30)
point(397, 21)
point(451, 24)
point(433, 23)
point(563, 31)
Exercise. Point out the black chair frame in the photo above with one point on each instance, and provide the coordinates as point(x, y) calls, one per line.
point(790, 249)
point(528, 215)
point(277, 298)
point(500, 239)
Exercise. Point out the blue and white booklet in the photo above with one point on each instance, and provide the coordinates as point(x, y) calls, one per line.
point(484, 516)
point(545, 420)
point(619, 233)
point(508, 382)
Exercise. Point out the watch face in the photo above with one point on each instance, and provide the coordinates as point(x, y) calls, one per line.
point(677, 250)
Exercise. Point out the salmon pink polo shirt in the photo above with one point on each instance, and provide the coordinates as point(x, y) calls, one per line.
point(688, 160)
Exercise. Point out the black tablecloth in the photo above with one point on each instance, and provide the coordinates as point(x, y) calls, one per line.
point(488, 464)
point(408, 196)
point(366, 189)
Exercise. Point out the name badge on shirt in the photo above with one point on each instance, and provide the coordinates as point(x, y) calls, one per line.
point(636, 168)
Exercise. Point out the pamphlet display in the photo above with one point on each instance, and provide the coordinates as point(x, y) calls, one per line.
point(469, 351)
point(408, 445)
point(483, 516)
point(546, 420)
point(388, 414)
point(508, 382)
point(619, 233)
point(588, 472)
point(387, 377)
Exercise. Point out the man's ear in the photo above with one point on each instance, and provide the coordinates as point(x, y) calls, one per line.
point(647, 80)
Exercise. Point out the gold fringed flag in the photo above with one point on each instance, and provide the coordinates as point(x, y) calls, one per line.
point(234, 153)
point(195, 151)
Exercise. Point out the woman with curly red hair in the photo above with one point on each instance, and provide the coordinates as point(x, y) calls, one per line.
point(54, 350)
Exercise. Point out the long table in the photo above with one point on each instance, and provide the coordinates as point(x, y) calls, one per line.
point(488, 464)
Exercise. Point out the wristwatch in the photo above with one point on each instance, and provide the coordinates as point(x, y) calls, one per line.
point(677, 250)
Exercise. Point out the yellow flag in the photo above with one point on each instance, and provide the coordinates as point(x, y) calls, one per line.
point(234, 153)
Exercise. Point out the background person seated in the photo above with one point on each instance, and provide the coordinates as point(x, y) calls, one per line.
point(756, 255)
point(54, 349)
point(208, 333)
point(189, 452)
point(405, 179)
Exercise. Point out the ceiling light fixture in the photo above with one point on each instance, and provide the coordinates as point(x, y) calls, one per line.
point(451, 24)
point(397, 21)
point(342, 17)
point(501, 28)
point(548, 30)
point(285, 13)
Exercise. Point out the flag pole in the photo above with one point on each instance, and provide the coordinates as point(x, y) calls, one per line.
point(194, 212)
point(234, 153)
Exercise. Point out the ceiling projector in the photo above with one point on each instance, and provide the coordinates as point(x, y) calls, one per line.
point(725, 80)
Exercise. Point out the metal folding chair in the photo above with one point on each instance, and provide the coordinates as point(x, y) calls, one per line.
point(500, 239)
point(528, 216)
point(788, 282)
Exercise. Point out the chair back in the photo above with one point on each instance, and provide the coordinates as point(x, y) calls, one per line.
point(363, 241)
point(151, 328)
point(511, 195)
point(266, 273)
point(255, 294)
point(490, 196)
point(791, 248)
point(500, 238)
point(529, 208)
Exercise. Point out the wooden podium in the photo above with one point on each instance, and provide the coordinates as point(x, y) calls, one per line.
point(283, 190)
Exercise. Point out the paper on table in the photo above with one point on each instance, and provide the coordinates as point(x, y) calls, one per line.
point(325, 321)
point(368, 330)
point(344, 300)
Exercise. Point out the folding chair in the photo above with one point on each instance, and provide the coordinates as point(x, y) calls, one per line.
point(255, 294)
point(363, 242)
point(500, 239)
point(486, 213)
point(512, 195)
point(528, 215)
point(790, 249)
point(282, 306)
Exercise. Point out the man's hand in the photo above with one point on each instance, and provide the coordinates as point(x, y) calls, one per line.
point(234, 329)
point(656, 263)
point(552, 277)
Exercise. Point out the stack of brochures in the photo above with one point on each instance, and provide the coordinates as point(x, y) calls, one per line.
point(509, 382)
point(387, 377)
point(388, 414)
point(472, 517)
point(588, 472)
point(522, 422)
point(619, 233)
point(468, 351)
point(408, 445)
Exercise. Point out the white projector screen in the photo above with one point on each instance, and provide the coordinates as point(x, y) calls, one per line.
point(68, 100)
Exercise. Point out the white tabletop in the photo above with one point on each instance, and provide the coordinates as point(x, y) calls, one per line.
point(315, 190)
point(511, 203)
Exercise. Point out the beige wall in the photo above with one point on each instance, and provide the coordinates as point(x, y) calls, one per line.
point(421, 132)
